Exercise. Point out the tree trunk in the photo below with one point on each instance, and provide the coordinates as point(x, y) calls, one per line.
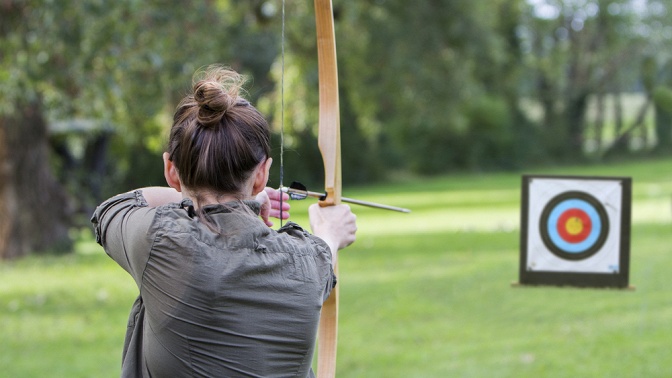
point(663, 128)
point(575, 119)
point(622, 140)
point(34, 211)
point(6, 222)
point(599, 120)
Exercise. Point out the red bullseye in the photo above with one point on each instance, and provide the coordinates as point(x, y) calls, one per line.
point(574, 225)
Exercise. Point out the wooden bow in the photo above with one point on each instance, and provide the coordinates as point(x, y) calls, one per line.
point(329, 141)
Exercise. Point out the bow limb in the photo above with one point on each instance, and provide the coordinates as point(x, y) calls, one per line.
point(329, 138)
point(329, 141)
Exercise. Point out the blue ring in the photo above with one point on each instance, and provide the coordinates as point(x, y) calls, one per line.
point(552, 227)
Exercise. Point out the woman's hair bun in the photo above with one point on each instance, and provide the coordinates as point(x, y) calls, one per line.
point(216, 92)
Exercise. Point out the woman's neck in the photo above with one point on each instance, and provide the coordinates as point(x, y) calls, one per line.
point(203, 198)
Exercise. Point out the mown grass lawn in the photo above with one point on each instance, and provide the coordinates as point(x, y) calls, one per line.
point(426, 294)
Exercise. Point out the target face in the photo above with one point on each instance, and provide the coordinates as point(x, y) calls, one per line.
point(574, 225)
point(575, 230)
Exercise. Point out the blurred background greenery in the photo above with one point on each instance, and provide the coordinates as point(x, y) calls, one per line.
point(443, 104)
point(88, 89)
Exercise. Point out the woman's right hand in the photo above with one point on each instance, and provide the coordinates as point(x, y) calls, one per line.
point(274, 203)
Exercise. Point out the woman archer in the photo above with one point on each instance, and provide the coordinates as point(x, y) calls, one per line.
point(221, 293)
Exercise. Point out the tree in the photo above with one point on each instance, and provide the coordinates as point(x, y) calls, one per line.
point(34, 211)
point(460, 60)
point(124, 63)
point(577, 50)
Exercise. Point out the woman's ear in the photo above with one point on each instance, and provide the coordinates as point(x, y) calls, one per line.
point(170, 173)
point(261, 176)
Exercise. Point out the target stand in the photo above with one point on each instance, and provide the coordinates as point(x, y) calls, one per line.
point(575, 231)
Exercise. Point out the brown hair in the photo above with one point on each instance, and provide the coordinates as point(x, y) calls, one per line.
point(217, 137)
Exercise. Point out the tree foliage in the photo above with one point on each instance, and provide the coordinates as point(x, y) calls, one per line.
point(124, 64)
point(425, 87)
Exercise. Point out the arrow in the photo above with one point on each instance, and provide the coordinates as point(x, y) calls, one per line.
point(298, 191)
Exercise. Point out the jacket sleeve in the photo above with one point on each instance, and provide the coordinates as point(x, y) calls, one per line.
point(121, 227)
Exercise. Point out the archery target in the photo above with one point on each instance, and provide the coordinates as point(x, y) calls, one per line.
point(574, 225)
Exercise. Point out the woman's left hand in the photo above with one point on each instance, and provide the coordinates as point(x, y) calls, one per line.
point(274, 203)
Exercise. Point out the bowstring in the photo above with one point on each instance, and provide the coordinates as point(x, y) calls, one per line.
point(282, 110)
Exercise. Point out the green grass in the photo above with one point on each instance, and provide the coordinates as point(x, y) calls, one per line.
point(426, 294)
point(63, 316)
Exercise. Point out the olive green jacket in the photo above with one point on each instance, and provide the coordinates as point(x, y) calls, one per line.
point(224, 296)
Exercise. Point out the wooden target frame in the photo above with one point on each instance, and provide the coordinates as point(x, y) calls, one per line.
point(575, 231)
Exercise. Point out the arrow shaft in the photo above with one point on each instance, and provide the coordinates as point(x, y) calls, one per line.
point(376, 205)
point(345, 199)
